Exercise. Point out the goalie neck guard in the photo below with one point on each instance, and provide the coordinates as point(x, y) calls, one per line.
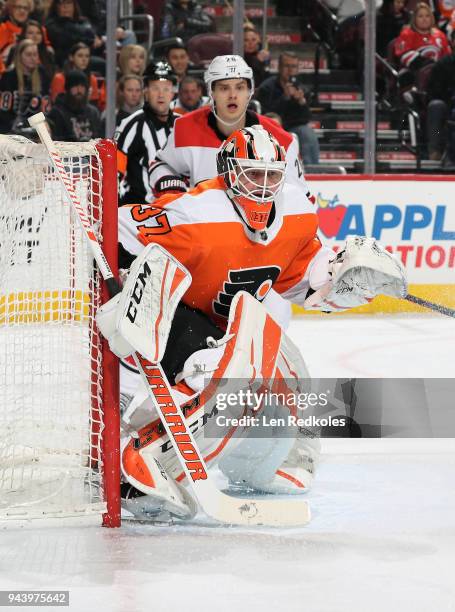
point(252, 164)
point(227, 67)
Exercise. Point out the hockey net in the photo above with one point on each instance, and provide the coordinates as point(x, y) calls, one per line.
point(58, 383)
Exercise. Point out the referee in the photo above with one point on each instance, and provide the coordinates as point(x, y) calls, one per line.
point(143, 133)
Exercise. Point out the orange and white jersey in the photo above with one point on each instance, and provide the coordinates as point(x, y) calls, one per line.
point(190, 151)
point(202, 229)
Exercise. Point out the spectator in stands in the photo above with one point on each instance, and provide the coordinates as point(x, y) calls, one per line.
point(78, 59)
point(95, 11)
point(15, 16)
point(72, 118)
point(33, 30)
point(184, 18)
point(441, 96)
point(190, 96)
point(130, 96)
point(131, 60)
point(179, 60)
point(390, 19)
point(24, 89)
point(66, 27)
point(258, 59)
point(421, 42)
point(284, 94)
point(40, 10)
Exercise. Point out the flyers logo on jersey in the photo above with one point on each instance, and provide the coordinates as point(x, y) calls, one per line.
point(256, 281)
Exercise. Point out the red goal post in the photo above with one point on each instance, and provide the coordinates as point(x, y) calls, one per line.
point(59, 407)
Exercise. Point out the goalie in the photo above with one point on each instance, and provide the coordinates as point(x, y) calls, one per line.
point(238, 235)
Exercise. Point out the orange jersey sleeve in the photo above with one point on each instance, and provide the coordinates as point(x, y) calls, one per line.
point(297, 270)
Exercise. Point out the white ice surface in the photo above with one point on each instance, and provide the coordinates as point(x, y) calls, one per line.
point(382, 536)
point(376, 346)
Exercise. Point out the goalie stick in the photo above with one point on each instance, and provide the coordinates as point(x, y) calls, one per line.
point(215, 503)
point(449, 312)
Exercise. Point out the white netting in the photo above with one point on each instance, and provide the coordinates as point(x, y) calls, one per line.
point(50, 362)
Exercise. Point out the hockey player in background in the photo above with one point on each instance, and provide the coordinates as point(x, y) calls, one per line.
point(190, 151)
point(143, 133)
point(239, 234)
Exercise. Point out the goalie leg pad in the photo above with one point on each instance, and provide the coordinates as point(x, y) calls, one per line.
point(295, 475)
point(248, 351)
point(254, 349)
point(253, 463)
point(276, 464)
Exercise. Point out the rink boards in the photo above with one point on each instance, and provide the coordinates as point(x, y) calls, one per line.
point(413, 216)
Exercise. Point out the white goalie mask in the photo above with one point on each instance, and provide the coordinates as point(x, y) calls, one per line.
point(227, 67)
point(252, 164)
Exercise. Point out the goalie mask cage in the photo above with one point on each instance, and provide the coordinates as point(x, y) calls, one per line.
point(59, 412)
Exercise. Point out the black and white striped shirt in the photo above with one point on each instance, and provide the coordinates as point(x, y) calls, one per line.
point(138, 138)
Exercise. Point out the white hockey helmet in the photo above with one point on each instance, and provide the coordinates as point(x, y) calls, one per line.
point(227, 67)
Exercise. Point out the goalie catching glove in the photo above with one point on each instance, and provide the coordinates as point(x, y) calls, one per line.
point(138, 319)
point(361, 271)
